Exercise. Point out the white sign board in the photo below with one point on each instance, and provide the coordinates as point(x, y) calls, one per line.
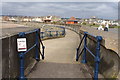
point(21, 44)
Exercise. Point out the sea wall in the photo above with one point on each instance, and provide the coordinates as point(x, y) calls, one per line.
point(109, 53)
point(10, 55)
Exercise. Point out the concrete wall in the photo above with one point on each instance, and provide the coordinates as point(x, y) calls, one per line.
point(10, 58)
point(109, 59)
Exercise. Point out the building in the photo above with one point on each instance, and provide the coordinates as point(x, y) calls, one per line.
point(51, 18)
point(37, 19)
point(72, 20)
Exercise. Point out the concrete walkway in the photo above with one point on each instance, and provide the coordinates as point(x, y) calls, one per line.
point(60, 59)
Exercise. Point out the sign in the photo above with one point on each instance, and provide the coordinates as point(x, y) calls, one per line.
point(21, 44)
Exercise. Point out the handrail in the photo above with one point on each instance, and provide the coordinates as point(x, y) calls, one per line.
point(37, 50)
point(97, 56)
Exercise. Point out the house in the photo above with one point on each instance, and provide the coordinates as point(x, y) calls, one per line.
point(5, 18)
point(26, 19)
point(48, 19)
point(72, 20)
point(51, 18)
point(12, 19)
point(37, 19)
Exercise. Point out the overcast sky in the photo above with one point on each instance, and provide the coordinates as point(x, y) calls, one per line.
point(106, 10)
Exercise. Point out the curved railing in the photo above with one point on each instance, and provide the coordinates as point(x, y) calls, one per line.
point(53, 34)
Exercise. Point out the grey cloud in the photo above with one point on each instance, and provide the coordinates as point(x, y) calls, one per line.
point(63, 9)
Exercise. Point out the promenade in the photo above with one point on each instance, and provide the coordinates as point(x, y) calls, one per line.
point(60, 59)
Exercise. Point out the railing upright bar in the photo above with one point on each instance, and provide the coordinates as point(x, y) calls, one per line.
point(43, 47)
point(77, 54)
point(97, 59)
point(21, 67)
point(36, 49)
point(85, 45)
point(21, 55)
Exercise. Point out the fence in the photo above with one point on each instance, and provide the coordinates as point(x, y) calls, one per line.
point(37, 50)
point(53, 34)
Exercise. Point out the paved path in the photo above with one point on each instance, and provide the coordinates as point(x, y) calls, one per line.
point(60, 59)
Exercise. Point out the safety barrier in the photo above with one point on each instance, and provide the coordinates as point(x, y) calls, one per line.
point(85, 49)
point(37, 50)
point(53, 34)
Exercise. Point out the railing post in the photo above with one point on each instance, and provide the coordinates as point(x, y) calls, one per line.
point(22, 77)
point(56, 33)
point(50, 34)
point(21, 55)
point(42, 35)
point(85, 45)
point(37, 46)
point(64, 31)
point(97, 59)
point(43, 52)
point(77, 54)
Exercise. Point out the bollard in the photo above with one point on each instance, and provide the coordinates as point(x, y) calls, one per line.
point(97, 59)
point(85, 45)
point(37, 47)
point(21, 56)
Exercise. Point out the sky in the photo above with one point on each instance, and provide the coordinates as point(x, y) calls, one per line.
point(105, 10)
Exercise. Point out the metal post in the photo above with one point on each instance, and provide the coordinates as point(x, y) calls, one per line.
point(64, 31)
point(50, 34)
point(43, 52)
point(21, 77)
point(56, 33)
point(42, 35)
point(77, 55)
point(97, 59)
point(21, 55)
point(37, 46)
point(85, 45)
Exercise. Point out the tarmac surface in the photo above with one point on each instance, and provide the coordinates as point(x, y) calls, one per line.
point(60, 59)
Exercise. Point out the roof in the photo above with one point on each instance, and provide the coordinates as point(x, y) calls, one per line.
point(72, 18)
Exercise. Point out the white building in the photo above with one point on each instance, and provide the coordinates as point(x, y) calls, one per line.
point(37, 19)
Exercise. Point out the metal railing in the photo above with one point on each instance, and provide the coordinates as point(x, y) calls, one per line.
point(53, 34)
point(85, 49)
point(37, 50)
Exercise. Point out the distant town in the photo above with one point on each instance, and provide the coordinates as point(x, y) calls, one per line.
point(92, 21)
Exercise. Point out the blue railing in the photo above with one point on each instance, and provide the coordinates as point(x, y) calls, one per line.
point(85, 49)
point(37, 50)
point(52, 34)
